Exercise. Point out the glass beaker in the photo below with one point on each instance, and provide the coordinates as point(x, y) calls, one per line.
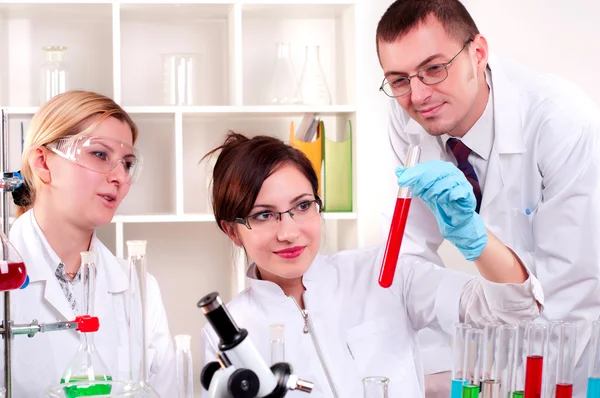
point(13, 273)
point(283, 88)
point(87, 364)
point(181, 79)
point(375, 387)
point(137, 317)
point(277, 341)
point(184, 368)
point(313, 85)
point(53, 73)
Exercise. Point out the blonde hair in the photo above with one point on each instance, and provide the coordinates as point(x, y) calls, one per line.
point(62, 116)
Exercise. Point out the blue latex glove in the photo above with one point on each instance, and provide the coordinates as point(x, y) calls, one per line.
point(445, 189)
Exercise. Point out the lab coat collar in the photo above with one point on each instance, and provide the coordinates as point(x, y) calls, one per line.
point(317, 276)
point(41, 262)
point(508, 125)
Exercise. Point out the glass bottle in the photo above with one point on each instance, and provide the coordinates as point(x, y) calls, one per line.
point(137, 319)
point(375, 387)
point(87, 365)
point(313, 85)
point(283, 88)
point(53, 73)
point(277, 341)
point(184, 368)
point(13, 273)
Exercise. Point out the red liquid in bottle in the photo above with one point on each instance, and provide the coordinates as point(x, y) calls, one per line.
point(564, 391)
point(392, 248)
point(12, 276)
point(533, 376)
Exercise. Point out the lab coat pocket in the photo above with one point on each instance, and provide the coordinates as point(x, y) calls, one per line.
point(377, 348)
point(523, 222)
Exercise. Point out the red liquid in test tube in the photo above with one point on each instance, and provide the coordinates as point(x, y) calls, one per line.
point(564, 391)
point(394, 242)
point(533, 376)
point(12, 275)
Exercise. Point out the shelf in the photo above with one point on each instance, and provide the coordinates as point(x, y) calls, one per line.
point(203, 217)
point(242, 110)
point(300, 9)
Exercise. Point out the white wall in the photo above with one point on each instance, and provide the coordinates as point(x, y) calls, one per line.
point(556, 36)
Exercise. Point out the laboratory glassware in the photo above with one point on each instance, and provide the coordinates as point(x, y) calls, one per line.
point(87, 365)
point(458, 353)
point(277, 342)
point(375, 387)
point(593, 383)
point(535, 336)
point(518, 366)
point(283, 88)
point(472, 363)
point(566, 360)
point(392, 247)
point(313, 85)
point(54, 76)
point(137, 317)
point(181, 79)
point(184, 368)
point(551, 358)
point(13, 273)
point(490, 383)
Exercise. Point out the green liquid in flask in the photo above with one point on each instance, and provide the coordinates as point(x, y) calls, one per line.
point(86, 391)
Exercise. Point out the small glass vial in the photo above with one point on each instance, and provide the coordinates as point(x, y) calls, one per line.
point(277, 341)
point(184, 369)
point(375, 387)
point(53, 73)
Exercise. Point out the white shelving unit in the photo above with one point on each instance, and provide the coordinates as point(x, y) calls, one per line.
point(115, 47)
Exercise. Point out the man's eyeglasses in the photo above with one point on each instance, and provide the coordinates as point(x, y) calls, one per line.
point(431, 74)
point(268, 219)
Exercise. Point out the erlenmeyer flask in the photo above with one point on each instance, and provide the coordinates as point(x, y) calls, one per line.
point(313, 85)
point(137, 318)
point(87, 364)
point(283, 88)
point(13, 273)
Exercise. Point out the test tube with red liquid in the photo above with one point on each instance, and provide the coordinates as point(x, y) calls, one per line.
point(13, 273)
point(394, 241)
point(535, 335)
point(566, 360)
point(551, 358)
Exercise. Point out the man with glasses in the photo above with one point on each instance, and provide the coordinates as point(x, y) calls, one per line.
point(509, 166)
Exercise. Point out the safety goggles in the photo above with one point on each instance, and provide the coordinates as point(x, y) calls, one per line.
point(99, 154)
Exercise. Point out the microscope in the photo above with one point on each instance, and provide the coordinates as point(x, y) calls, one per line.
point(240, 371)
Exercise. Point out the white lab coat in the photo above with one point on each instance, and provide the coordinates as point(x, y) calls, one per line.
point(545, 158)
point(39, 362)
point(361, 328)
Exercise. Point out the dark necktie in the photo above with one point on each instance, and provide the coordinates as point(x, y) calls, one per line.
point(461, 153)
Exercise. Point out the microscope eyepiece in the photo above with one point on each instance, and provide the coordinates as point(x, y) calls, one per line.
point(230, 335)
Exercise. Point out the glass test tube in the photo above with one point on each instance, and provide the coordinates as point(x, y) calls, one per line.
point(458, 351)
point(472, 363)
point(490, 380)
point(392, 247)
point(551, 358)
point(277, 342)
point(504, 356)
point(375, 387)
point(535, 335)
point(518, 367)
point(593, 384)
point(566, 360)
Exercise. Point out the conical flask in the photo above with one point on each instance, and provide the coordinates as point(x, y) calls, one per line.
point(13, 273)
point(283, 88)
point(87, 364)
point(137, 319)
point(313, 85)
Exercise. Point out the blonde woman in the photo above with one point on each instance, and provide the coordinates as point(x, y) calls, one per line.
point(78, 163)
